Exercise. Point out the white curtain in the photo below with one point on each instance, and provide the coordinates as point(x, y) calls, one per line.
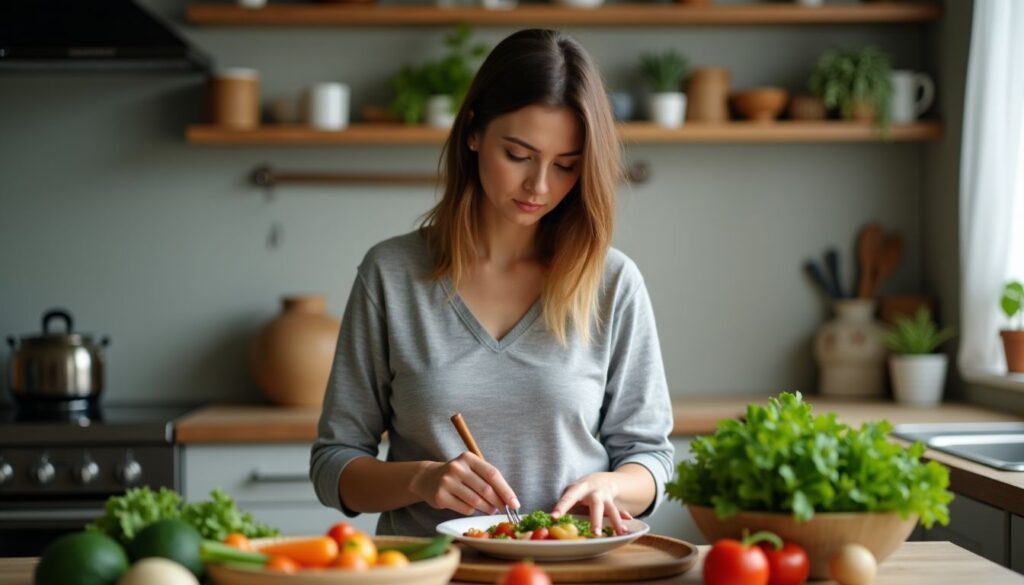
point(990, 166)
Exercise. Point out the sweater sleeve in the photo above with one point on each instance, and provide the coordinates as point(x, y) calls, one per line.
point(637, 411)
point(356, 404)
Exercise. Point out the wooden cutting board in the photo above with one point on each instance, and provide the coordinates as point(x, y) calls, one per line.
point(649, 557)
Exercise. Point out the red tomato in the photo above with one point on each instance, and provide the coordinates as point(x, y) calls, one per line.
point(524, 573)
point(788, 565)
point(540, 534)
point(340, 532)
point(731, 562)
point(505, 528)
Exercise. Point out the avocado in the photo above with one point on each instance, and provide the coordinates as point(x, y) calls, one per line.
point(82, 558)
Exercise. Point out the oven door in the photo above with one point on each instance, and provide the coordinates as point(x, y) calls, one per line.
point(27, 527)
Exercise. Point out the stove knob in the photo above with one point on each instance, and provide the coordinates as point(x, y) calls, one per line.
point(6, 472)
point(86, 472)
point(42, 472)
point(129, 472)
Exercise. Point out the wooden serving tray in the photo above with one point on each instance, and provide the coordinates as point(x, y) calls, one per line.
point(649, 557)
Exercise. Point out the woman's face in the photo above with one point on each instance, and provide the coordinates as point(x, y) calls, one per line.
point(529, 160)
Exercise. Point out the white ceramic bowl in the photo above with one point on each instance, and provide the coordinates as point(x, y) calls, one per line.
point(538, 550)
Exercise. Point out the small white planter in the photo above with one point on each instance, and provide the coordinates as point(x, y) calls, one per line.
point(918, 379)
point(439, 111)
point(668, 109)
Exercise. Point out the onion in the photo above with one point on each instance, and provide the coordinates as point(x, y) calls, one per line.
point(853, 564)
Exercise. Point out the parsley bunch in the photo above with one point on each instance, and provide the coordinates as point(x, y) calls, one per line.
point(781, 458)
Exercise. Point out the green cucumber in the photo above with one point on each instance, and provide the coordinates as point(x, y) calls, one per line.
point(211, 551)
point(431, 549)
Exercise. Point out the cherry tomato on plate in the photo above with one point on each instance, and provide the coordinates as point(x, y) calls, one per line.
point(788, 565)
point(735, 562)
point(524, 573)
point(540, 534)
point(505, 529)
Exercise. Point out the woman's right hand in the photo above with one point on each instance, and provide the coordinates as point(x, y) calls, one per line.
point(465, 484)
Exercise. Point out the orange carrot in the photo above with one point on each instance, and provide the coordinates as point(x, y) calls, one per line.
point(239, 541)
point(282, 564)
point(319, 551)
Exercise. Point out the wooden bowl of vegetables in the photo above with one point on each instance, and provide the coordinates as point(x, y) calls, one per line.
point(811, 480)
point(312, 560)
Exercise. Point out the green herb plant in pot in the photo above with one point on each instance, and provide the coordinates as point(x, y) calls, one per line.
point(856, 83)
point(918, 375)
point(436, 89)
point(666, 72)
point(1012, 304)
point(811, 480)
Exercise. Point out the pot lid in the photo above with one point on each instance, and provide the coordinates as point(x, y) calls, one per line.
point(54, 339)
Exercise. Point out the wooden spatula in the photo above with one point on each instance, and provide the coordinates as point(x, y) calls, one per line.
point(888, 260)
point(869, 247)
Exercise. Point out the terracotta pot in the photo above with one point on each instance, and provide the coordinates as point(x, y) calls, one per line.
point(291, 356)
point(1013, 345)
point(850, 353)
point(863, 112)
point(707, 93)
point(821, 536)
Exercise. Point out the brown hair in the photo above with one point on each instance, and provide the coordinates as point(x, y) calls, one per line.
point(536, 67)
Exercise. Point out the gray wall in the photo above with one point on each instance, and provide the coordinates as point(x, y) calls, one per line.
point(104, 208)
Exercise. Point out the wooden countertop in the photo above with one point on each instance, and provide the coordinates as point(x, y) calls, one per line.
point(695, 415)
point(934, 563)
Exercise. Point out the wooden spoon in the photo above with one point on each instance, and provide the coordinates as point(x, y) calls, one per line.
point(888, 260)
point(869, 247)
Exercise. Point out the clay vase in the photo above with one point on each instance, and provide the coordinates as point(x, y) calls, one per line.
point(291, 355)
point(850, 353)
point(707, 92)
point(863, 111)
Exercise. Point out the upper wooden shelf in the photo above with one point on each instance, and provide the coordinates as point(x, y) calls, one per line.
point(542, 14)
point(634, 132)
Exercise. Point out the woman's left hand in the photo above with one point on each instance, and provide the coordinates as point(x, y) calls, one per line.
point(597, 493)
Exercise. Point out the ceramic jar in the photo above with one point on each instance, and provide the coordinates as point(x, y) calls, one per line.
point(707, 92)
point(291, 356)
point(850, 353)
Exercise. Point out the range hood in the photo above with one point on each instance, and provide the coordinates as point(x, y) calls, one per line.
point(90, 35)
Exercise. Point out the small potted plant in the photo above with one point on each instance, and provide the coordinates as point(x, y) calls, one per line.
point(918, 375)
point(1012, 304)
point(665, 72)
point(857, 83)
point(436, 88)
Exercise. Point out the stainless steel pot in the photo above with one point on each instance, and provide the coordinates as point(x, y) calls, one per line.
point(56, 366)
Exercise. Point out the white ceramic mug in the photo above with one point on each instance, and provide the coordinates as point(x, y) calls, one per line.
point(329, 106)
point(912, 94)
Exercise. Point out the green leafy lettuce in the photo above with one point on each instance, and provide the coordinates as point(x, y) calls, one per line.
point(781, 458)
point(541, 519)
point(128, 514)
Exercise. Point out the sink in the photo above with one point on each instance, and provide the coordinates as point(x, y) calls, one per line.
point(997, 445)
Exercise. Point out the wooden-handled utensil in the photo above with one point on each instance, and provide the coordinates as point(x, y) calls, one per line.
point(470, 442)
point(869, 246)
point(888, 259)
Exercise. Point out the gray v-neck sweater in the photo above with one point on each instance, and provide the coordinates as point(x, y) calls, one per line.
point(410, 354)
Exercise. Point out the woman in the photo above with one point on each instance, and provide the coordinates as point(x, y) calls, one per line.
point(571, 410)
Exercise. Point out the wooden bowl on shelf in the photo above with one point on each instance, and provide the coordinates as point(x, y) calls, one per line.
point(821, 536)
point(760, 104)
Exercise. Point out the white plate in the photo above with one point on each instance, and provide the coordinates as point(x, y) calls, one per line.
point(538, 550)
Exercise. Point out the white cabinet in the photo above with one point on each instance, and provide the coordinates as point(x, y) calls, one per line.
point(269, 480)
point(672, 519)
point(1017, 543)
point(980, 528)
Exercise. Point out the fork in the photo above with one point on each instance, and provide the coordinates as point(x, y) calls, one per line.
point(467, 438)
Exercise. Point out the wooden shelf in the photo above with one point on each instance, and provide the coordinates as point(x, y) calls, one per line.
point(631, 133)
point(542, 14)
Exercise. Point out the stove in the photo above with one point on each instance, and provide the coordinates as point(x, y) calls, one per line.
point(57, 468)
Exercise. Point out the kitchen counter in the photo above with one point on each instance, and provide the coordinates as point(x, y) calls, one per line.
point(934, 563)
point(695, 415)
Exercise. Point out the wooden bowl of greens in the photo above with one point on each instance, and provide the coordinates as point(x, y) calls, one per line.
point(812, 480)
